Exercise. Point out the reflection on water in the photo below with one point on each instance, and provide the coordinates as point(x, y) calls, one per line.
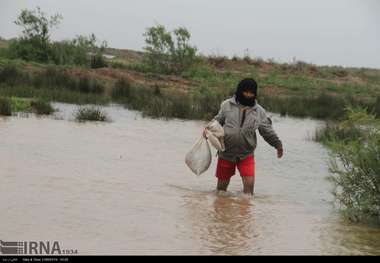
point(123, 188)
point(227, 226)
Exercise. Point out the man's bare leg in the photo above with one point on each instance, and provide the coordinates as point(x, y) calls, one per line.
point(222, 185)
point(248, 184)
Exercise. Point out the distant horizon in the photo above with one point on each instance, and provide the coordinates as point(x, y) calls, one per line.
point(342, 33)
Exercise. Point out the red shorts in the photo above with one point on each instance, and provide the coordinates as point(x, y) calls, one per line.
point(226, 169)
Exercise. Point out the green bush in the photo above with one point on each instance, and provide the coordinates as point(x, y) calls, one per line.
point(34, 44)
point(29, 50)
point(5, 107)
point(42, 107)
point(118, 65)
point(15, 104)
point(357, 178)
point(4, 53)
point(166, 53)
point(376, 107)
point(69, 53)
point(355, 164)
point(82, 51)
point(98, 61)
point(20, 104)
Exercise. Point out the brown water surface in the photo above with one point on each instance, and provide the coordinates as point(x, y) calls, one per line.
point(123, 188)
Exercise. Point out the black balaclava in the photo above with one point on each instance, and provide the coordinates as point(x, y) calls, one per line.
point(247, 84)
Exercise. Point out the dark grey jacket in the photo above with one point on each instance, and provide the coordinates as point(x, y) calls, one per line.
point(240, 135)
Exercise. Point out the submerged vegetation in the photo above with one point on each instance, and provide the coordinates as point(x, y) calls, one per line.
point(91, 113)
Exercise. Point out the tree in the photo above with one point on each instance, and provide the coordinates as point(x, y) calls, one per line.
point(36, 25)
point(34, 44)
point(168, 54)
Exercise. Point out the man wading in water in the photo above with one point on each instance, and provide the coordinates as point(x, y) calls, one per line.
point(240, 117)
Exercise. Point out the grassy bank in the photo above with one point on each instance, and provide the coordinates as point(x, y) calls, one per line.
point(156, 97)
point(170, 78)
point(299, 89)
point(50, 83)
point(9, 105)
point(294, 89)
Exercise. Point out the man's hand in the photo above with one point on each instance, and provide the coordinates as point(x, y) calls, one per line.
point(280, 152)
point(204, 133)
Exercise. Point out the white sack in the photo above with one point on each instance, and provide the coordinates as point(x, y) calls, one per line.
point(198, 159)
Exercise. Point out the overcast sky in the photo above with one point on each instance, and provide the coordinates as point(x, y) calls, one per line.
point(323, 32)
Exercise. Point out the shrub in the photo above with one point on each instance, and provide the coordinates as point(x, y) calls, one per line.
point(42, 107)
point(355, 164)
point(98, 61)
point(357, 178)
point(20, 104)
point(90, 113)
point(34, 44)
point(5, 107)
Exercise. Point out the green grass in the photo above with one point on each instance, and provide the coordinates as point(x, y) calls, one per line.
point(21, 104)
point(9, 105)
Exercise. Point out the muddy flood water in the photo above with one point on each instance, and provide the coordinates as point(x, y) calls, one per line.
point(122, 187)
